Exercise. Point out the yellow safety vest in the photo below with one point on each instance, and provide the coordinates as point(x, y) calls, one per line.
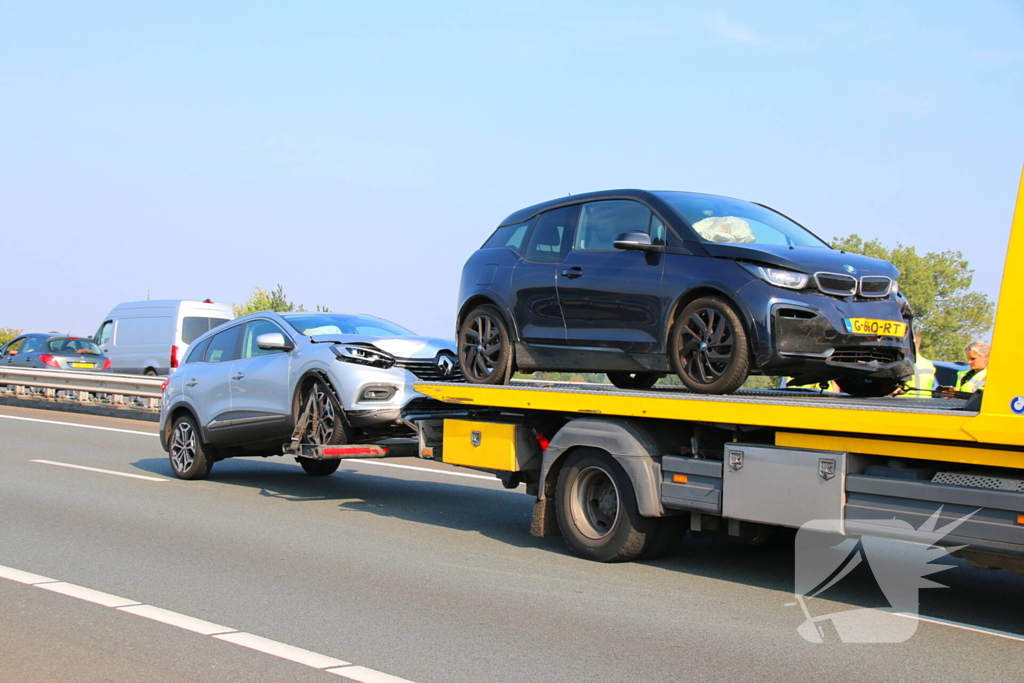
point(973, 384)
point(924, 378)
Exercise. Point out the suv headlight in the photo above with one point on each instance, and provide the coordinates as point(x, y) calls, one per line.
point(780, 277)
point(363, 355)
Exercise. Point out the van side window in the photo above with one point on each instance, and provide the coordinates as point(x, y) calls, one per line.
point(197, 351)
point(224, 346)
point(106, 331)
point(254, 329)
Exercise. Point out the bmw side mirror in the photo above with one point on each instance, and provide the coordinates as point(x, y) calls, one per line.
point(634, 241)
point(274, 341)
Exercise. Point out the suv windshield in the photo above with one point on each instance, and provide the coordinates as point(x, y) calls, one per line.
point(721, 219)
point(311, 324)
point(71, 345)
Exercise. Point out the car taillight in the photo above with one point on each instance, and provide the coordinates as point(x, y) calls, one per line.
point(106, 365)
point(174, 356)
point(47, 359)
point(163, 385)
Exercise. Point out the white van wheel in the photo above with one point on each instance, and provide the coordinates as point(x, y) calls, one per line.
point(150, 372)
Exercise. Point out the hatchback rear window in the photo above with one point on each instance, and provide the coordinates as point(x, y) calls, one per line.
point(192, 327)
point(510, 236)
point(69, 345)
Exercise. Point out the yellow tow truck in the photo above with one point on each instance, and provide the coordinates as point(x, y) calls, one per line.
point(621, 474)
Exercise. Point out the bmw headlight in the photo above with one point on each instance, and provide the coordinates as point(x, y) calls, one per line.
point(363, 355)
point(780, 277)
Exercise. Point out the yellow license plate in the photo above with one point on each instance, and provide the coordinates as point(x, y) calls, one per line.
point(881, 328)
point(83, 365)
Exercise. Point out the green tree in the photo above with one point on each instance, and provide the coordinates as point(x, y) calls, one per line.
point(262, 300)
point(946, 313)
point(7, 334)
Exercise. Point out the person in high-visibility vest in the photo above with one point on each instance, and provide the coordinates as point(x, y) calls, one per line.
point(923, 381)
point(969, 381)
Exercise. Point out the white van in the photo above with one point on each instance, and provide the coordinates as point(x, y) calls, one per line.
point(151, 337)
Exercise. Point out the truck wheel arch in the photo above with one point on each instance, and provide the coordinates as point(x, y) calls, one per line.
point(635, 449)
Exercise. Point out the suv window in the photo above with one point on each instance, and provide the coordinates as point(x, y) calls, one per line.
point(510, 236)
point(552, 235)
point(254, 329)
point(197, 351)
point(602, 222)
point(223, 345)
point(192, 327)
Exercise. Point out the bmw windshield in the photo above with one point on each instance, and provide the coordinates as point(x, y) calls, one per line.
point(313, 324)
point(726, 220)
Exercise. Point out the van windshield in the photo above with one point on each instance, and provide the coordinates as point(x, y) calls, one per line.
point(192, 327)
point(312, 324)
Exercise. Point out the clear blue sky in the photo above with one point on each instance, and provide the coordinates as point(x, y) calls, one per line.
point(357, 153)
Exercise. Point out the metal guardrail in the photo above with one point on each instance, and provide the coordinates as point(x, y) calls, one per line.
point(85, 387)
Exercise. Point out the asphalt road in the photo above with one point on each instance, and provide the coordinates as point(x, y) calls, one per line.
point(380, 572)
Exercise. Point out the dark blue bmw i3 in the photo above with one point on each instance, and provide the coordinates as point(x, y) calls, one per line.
point(638, 284)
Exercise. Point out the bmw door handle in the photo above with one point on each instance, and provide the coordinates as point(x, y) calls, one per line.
point(191, 383)
point(572, 273)
point(237, 375)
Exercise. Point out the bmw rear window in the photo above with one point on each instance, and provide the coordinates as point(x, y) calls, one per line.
point(511, 236)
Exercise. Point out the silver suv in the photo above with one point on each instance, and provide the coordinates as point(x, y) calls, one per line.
point(241, 388)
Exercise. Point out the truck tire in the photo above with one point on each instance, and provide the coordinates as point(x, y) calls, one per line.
point(319, 468)
point(186, 451)
point(485, 347)
point(708, 347)
point(634, 380)
point(597, 511)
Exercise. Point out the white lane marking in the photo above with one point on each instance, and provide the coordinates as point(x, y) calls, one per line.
point(23, 577)
point(289, 652)
point(166, 616)
point(422, 469)
point(364, 675)
point(88, 594)
point(964, 627)
point(265, 645)
point(94, 469)
point(75, 424)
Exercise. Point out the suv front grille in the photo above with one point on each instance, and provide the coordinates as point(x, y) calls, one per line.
point(426, 369)
point(865, 355)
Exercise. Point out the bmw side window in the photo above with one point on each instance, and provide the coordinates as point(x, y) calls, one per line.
point(197, 351)
point(223, 346)
point(253, 330)
point(552, 236)
point(602, 222)
point(510, 236)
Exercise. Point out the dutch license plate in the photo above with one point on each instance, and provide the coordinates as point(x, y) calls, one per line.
point(881, 328)
point(83, 365)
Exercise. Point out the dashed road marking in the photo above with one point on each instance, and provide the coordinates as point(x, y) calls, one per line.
point(333, 665)
point(95, 469)
point(76, 424)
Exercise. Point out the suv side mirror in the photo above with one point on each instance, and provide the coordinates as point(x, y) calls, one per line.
point(634, 241)
point(274, 341)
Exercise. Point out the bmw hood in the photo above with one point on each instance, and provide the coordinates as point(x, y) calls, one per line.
point(399, 347)
point(804, 259)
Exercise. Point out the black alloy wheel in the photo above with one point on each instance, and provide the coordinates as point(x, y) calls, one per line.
point(709, 347)
point(634, 380)
point(485, 349)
